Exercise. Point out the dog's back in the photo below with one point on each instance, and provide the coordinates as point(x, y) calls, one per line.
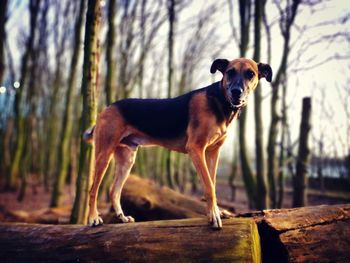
point(159, 118)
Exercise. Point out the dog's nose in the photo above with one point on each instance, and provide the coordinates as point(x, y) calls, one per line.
point(237, 92)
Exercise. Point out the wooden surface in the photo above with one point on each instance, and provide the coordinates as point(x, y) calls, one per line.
point(146, 200)
point(307, 234)
point(190, 240)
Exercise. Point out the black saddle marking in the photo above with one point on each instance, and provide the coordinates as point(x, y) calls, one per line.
point(168, 118)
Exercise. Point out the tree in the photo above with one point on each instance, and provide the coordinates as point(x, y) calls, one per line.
point(11, 182)
point(3, 19)
point(247, 173)
point(52, 118)
point(110, 80)
point(300, 178)
point(32, 158)
point(259, 149)
point(67, 122)
point(89, 109)
point(287, 17)
point(171, 21)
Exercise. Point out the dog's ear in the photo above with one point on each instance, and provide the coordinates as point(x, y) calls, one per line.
point(219, 64)
point(265, 71)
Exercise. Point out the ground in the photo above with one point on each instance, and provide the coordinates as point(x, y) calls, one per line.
point(37, 199)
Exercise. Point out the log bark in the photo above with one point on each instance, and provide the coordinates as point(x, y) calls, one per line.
point(145, 200)
point(308, 234)
point(189, 240)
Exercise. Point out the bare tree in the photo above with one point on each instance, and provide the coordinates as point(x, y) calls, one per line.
point(89, 111)
point(11, 182)
point(300, 179)
point(111, 38)
point(247, 173)
point(3, 18)
point(261, 200)
point(286, 21)
point(67, 120)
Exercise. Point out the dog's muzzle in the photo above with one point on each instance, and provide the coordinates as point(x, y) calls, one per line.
point(236, 95)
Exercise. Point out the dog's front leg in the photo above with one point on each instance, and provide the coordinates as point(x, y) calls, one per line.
point(212, 158)
point(198, 158)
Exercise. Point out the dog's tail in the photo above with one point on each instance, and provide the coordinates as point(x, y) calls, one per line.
point(89, 134)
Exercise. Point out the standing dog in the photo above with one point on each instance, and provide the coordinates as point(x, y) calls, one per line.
point(194, 123)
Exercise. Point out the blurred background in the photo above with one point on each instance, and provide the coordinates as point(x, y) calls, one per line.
point(164, 48)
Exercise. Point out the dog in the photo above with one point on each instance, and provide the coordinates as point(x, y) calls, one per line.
point(195, 123)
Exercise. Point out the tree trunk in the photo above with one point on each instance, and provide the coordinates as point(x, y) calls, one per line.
point(283, 147)
point(189, 240)
point(286, 24)
point(261, 198)
point(233, 173)
point(88, 89)
point(249, 182)
point(171, 19)
point(52, 118)
point(300, 179)
point(3, 19)
point(19, 118)
point(67, 121)
point(110, 80)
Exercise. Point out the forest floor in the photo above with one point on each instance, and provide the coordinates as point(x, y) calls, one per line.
point(37, 199)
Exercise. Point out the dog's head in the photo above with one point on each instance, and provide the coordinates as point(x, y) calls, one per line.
point(240, 77)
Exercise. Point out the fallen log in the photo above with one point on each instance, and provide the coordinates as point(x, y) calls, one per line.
point(142, 198)
point(146, 200)
point(307, 234)
point(189, 240)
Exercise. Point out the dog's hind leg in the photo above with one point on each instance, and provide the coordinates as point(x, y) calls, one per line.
point(102, 158)
point(125, 159)
point(106, 136)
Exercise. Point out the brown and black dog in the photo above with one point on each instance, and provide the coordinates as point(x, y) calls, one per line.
point(194, 123)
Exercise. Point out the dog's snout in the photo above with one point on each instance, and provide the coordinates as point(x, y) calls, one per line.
point(237, 92)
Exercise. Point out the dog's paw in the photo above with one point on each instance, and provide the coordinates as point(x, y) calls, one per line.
point(125, 219)
point(95, 221)
point(215, 218)
point(224, 214)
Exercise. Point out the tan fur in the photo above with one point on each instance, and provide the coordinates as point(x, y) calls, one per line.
point(202, 141)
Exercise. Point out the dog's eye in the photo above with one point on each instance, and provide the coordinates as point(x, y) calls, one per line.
point(249, 74)
point(231, 73)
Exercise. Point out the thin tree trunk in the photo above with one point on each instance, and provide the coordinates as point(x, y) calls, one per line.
point(171, 19)
point(300, 179)
point(67, 121)
point(233, 173)
point(283, 146)
point(89, 111)
point(20, 122)
point(110, 80)
point(50, 167)
point(245, 14)
point(261, 200)
point(3, 10)
point(286, 24)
